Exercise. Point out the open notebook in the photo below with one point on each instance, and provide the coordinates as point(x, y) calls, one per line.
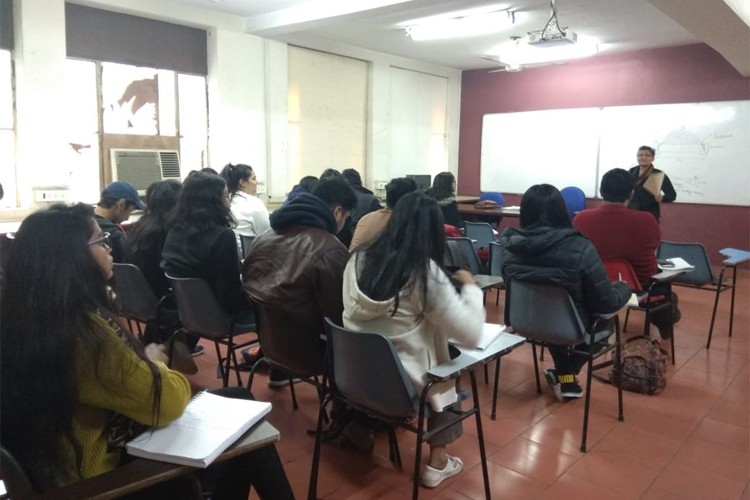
point(490, 333)
point(675, 264)
point(209, 425)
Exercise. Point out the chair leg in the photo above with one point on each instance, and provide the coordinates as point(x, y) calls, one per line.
point(495, 388)
point(312, 492)
point(627, 316)
point(618, 356)
point(731, 307)
point(294, 395)
point(486, 375)
point(420, 440)
point(480, 432)
point(541, 354)
point(394, 454)
point(716, 304)
point(222, 371)
point(587, 403)
point(536, 369)
point(236, 365)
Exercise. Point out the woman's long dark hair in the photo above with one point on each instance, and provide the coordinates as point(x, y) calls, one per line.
point(52, 288)
point(146, 233)
point(543, 205)
point(399, 259)
point(200, 204)
point(233, 174)
point(442, 186)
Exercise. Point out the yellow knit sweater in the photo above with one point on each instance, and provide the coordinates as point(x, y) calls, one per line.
point(120, 382)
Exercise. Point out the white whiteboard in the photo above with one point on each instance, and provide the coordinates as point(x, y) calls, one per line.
point(557, 147)
point(703, 147)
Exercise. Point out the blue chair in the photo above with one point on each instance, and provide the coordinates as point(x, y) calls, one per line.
point(497, 198)
point(575, 199)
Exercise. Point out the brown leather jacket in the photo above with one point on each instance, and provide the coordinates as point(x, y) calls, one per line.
point(298, 269)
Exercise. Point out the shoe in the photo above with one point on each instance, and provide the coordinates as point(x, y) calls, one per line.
point(550, 374)
point(197, 350)
point(567, 387)
point(250, 356)
point(278, 378)
point(432, 477)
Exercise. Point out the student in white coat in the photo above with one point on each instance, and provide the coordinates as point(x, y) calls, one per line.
point(249, 212)
point(395, 285)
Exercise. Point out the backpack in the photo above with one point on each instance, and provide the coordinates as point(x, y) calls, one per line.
point(643, 365)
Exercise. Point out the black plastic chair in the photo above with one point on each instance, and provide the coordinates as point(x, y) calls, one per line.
point(245, 242)
point(138, 303)
point(480, 233)
point(367, 374)
point(290, 346)
point(466, 248)
point(496, 265)
point(702, 277)
point(201, 314)
point(545, 314)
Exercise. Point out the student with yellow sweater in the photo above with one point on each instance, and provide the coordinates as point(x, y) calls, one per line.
point(75, 385)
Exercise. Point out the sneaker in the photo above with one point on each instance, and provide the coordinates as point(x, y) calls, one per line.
point(432, 477)
point(567, 387)
point(550, 374)
point(278, 378)
point(250, 356)
point(197, 350)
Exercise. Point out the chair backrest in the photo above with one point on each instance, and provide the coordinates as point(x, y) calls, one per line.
point(544, 312)
point(496, 258)
point(480, 232)
point(367, 371)
point(16, 481)
point(466, 248)
point(492, 196)
point(694, 254)
point(575, 199)
point(245, 242)
point(622, 270)
point(137, 299)
point(289, 343)
point(199, 309)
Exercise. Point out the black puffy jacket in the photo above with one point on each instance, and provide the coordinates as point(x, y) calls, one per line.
point(563, 257)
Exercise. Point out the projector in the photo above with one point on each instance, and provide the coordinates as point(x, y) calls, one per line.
point(551, 39)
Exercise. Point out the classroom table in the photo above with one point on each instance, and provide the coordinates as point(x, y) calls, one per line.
point(143, 473)
point(734, 257)
point(470, 209)
point(464, 198)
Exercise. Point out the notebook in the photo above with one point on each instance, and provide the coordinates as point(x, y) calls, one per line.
point(490, 333)
point(675, 264)
point(209, 425)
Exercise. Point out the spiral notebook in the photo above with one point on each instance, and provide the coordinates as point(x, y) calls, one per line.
point(209, 425)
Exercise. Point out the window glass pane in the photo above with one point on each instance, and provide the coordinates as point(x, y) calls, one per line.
point(193, 122)
point(7, 134)
point(130, 96)
point(6, 91)
point(167, 103)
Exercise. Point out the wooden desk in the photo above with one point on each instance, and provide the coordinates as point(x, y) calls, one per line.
point(462, 198)
point(142, 473)
point(470, 209)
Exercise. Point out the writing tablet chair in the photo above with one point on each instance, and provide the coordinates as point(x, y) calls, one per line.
point(201, 314)
point(466, 248)
point(546, 314)
point(496, 265)
point(245, 242)
point(138, 303)
point(480, 233)
point(575, 199)
point(367, 375)
point(290, 346)
point(497, 198)
point(702, 277)
point(649, 300)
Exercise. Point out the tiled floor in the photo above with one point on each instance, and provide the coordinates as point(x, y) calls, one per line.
point(689, 442)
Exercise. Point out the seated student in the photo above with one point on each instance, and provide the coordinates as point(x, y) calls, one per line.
point(373, 223)
point(117, 202)
point(306, 185)
point(77, 386)
point(200, 243)
point(396, 286)
point(366, 201)
point(618, 232)
point(249, 212)
point(546, 249)
point(443, 191)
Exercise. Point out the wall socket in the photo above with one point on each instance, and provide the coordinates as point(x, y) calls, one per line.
point(380, 184)
point(51, 195)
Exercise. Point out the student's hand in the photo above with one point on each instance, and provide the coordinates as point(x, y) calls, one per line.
point(463, 277)
point(157, 352)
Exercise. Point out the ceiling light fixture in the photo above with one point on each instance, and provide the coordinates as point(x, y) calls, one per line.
point(461, 26)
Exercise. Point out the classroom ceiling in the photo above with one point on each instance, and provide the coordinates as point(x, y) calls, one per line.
point(619, 25)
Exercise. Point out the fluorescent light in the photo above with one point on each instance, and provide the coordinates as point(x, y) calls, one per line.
point(464, 26)
point(523, 54)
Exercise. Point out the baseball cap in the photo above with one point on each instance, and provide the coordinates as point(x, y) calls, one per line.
point(122, 190)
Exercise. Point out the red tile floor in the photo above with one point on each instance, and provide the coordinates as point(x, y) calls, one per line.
point(689, 442)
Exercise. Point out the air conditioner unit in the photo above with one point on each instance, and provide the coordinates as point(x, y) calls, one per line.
point(143, 167)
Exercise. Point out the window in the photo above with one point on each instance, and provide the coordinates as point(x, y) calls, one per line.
point(7, 133)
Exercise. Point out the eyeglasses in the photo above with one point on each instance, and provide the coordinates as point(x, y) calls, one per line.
point(104, 239)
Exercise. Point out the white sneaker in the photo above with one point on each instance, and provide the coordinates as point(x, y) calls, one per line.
point(432, 477)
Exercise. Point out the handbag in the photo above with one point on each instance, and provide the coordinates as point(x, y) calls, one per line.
point(643, 366)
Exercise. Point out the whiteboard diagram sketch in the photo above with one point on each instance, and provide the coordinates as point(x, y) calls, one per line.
point(704, 147)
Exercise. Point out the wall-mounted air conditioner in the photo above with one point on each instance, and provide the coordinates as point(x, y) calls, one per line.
point(142, 167)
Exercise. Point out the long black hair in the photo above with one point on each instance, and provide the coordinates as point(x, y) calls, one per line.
point(543, 205)
point(151, 228)
point(399, 259)
point(52, 291)
point(200, 204)
point(442, 186)
point(233, 174)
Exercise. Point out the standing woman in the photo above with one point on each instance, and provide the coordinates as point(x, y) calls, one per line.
point(249, 212)
point(443, 191)
point(652, 185)
point(395, 286)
